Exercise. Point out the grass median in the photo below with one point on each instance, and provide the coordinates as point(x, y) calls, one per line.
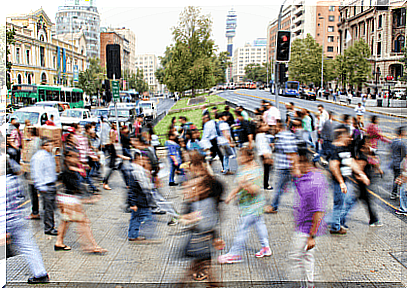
point(183, 103)
point(194, 116)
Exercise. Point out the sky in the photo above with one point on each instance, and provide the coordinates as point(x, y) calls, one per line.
point(151, 21)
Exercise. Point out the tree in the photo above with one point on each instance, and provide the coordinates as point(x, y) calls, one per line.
point(139, 84)
point(90, 80)
point(221, 63)
point(10, 33)
point(353, 67)
point(190, 60)
point(258, 73)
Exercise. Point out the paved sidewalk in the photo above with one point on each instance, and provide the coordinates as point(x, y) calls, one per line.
point(363, 255)
point(389, 111)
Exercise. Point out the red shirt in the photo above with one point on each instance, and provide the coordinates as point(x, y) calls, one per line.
point(49, 123)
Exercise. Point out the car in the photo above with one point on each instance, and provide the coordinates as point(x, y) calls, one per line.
point(308, 94)
point(149, 109)
point(125, 116)
point(89, 121)
point(101, 112)
point(71, 116)
point(37, 116)
point(61, 106)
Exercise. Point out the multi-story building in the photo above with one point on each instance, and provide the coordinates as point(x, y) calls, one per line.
point(129, 44)
point(80, 15)
point(38, 57)
point(305, 17)
point(383, 30)
point(111, 37)
point(148, 64)
point(246, 55)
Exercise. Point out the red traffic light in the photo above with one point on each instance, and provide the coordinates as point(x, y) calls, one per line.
point(284, 38)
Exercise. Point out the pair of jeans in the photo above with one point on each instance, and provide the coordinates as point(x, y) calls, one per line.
point(243, 231)
point(339, 201)
point(88, 181)
point(327, 149)
point(163, 204)
point(403, 198)
point(283, 179)
point(172, 171)
point(266, 176)
point(24, 242)
point(34, 200)
point(350, 200)
point(48, 200)
point(308, 138)
point(216, 151)
point(137, 218)
point(397, 173)
point(302, 260)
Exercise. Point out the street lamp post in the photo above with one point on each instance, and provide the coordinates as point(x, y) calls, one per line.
point(323, 44)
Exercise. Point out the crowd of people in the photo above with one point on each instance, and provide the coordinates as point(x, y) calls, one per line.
point(302, 151)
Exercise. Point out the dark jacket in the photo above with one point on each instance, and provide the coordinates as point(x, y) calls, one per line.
point(136, 195)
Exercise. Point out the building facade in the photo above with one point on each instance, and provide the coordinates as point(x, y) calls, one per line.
point(38, 57)
point(80, 15)
point(318, 19)
point(383, 30)
point(244, 56)
point(148, 63)
point(111, 37)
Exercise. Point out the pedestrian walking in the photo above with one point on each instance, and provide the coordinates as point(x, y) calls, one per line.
point(251, 203)
point(285, 158)
point(402, 181)
point(263, 149)
point(327, 136)
point(71, 207)
point(360, 111)
point(174, 156)
point(309, 209)
point(398, 148)
point(210, 133)
point(43, 173)
point(16, 228)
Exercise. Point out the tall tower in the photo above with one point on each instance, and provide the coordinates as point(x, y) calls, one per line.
point(231, 19)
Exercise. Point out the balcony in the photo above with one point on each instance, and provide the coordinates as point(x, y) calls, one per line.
point(298, 20)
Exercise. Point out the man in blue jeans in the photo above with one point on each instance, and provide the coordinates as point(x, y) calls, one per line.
point(285, 158)
point(174, 156)
point(342, 165)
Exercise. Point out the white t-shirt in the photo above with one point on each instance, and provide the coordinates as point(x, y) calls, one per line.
point(225, 128)
point(262, 144)
point(272, 115)
point(360, 110)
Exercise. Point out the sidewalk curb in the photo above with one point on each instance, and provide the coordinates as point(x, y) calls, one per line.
point(367, 110)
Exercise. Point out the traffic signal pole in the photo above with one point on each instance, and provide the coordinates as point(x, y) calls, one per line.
point(276, 86)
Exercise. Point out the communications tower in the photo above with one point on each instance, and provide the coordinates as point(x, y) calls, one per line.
point(231, 19)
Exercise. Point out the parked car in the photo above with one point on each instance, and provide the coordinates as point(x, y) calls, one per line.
point(308, 94)
point(101, 112)
point(37, 116)
point(70, 116)
point(60, 106)
point(125, 116)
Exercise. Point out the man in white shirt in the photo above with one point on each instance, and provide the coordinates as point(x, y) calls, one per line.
point(271, 116)
point(323, 117)
point(360, 110)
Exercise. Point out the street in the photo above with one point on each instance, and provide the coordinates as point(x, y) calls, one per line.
point(372, 255)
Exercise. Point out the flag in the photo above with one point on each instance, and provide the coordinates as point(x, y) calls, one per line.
point(348, 36)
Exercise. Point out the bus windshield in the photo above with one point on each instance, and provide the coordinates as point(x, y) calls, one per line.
point(292, 85)
point(145, 105)
point(120, 113)
point(22, 116)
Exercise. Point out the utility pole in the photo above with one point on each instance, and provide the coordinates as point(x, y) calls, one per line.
point(322, 66)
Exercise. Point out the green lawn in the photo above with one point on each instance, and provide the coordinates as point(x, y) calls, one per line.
point(209, 99)
point(194, 116)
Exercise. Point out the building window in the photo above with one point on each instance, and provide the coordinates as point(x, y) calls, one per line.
point(17, 55)
point(331, 18)
point(27, 53)
point(19, 79)
point(331, 39)
point(331, 8)
point(330, 49)
point(372, 25)
point(399, 17)
point(42, 56)
point(29, 79)
point(364, 28)
point(330, 28)
point(354, 11)
point(379, 22)
point(399, 43)
point(379, 48)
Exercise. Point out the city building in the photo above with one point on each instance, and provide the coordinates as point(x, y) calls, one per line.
point(383, 30)
point(112, 37)
point(318, 19)
point(148, 63)
point(129, 44)
point(231, 24)
point(80, 15)
point(38, 57)
point(244, 56)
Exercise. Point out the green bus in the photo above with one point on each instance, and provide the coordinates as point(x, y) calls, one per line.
point(27, 95)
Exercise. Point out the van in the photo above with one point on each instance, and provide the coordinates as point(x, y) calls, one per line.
point(37, 116)
point(60, 106)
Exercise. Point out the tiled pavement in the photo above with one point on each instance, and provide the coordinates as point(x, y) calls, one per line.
point(363, 255)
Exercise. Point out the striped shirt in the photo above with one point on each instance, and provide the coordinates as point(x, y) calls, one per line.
point(14, 198)
point(285, 143)
point(83, 148)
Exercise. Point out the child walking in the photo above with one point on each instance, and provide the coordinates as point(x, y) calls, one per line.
point(251, 203)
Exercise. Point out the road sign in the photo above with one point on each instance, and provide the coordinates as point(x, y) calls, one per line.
point(115, 89)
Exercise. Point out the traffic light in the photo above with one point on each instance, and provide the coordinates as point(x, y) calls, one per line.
point(283, 45)
point(282, 73)
point(113, 65)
